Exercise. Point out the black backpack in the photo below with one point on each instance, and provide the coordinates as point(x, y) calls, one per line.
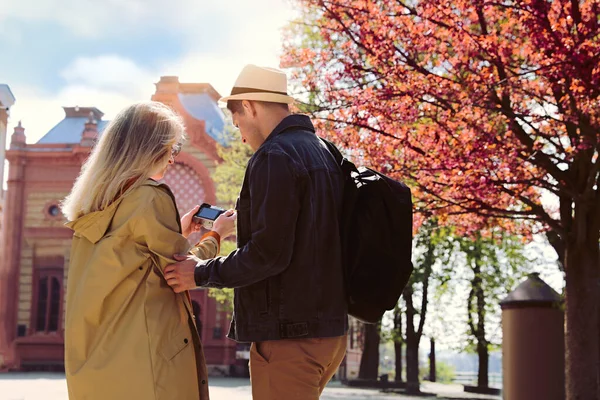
point(376, 233)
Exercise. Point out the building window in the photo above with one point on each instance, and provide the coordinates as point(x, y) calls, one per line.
point(52, 211)
point(217, 332)
point(47, 300)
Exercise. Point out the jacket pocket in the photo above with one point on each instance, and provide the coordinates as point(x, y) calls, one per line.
point(175, 344)
point(243, 221)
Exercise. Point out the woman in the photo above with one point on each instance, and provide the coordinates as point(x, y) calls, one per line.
point(127, 334)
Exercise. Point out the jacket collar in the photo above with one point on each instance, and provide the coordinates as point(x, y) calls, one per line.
point(294, 121)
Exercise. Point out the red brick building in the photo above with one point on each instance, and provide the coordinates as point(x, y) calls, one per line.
point(35, 245)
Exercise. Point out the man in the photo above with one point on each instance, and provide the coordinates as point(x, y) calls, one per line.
point(287, 272)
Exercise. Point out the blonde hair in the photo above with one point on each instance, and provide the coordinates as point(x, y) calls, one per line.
point(136, 145)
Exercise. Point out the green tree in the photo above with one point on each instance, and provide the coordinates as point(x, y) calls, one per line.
point(228, 178)
point(229, 174)
point(445, 373)
point(431, 246)
point(488, 264)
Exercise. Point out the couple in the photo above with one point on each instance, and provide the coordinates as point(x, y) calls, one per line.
point(130, 332)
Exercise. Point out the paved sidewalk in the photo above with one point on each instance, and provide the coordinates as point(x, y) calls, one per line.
point(52, 386)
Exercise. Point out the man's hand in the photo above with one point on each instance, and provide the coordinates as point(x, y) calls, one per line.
point(180, 276)
point(225, 224)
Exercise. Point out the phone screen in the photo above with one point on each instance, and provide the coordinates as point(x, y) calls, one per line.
point(208, 213)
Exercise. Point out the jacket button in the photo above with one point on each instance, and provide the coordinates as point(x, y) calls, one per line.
point(185, 341)
point(203, 382)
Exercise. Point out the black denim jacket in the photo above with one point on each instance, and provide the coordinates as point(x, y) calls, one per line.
point(287, 270)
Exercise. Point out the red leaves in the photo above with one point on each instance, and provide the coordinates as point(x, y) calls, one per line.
point(474, 103)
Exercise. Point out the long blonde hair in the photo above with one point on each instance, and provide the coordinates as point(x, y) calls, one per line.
point(136, 145)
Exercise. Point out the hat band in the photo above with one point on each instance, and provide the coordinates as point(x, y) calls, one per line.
point(244, 90)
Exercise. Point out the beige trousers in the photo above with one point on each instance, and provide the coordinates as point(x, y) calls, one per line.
point(294, 369)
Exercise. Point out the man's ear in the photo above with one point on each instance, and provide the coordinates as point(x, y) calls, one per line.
point(249, 107)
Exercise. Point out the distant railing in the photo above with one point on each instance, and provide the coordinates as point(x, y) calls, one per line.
point(470, 378)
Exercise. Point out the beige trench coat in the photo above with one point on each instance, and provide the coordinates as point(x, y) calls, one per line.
point(127, 334)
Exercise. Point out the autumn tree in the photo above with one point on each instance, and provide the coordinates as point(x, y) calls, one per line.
point(493, 263)
point(485, 108)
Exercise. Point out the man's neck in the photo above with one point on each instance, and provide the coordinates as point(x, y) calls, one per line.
point(272, 121)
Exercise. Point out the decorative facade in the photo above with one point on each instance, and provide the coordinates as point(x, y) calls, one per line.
point(35, 244)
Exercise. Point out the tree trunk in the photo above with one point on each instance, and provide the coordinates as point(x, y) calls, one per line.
point(412, 364)
point(432, 375)
point(484, 357)
point(398, 343)
point(412, 346)
point(582, 319)
point(482, 344)
point(369, 362)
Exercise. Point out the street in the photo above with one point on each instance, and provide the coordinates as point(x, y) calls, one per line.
point(52, 386)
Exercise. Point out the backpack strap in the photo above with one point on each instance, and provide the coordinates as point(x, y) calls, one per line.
point(346, 166)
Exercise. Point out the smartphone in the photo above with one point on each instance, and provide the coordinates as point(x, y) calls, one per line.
point(207, 215)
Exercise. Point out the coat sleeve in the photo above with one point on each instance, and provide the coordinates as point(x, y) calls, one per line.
point(157, 230)
point(208, 247)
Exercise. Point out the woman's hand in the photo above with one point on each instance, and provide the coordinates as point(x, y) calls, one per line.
point(225, 224)
point(187, 225)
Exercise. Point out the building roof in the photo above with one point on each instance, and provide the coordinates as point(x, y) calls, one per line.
point(70, 128)
point(7, 99)
point(202, 106)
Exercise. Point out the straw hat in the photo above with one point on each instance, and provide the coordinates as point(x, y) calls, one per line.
point(260, 84)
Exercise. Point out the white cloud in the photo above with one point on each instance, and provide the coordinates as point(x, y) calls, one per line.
point(218, 70)
point(98, 18)
point(107, 82)
point(39, 112)
point(252, 36)
point(111, 73)
point(243, 32)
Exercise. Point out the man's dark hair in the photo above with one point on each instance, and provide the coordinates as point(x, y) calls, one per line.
point(235, 106)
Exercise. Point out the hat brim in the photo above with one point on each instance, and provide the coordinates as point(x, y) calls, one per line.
point(268, 97)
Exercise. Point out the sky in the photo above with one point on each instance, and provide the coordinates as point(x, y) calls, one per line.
point(109, 53)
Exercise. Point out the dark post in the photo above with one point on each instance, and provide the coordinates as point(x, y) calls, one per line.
point(533, 343)
point(432, 361)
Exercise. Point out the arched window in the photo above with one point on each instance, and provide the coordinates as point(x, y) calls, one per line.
point(47, 304)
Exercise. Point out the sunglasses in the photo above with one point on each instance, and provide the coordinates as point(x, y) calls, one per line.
point(176, 150)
